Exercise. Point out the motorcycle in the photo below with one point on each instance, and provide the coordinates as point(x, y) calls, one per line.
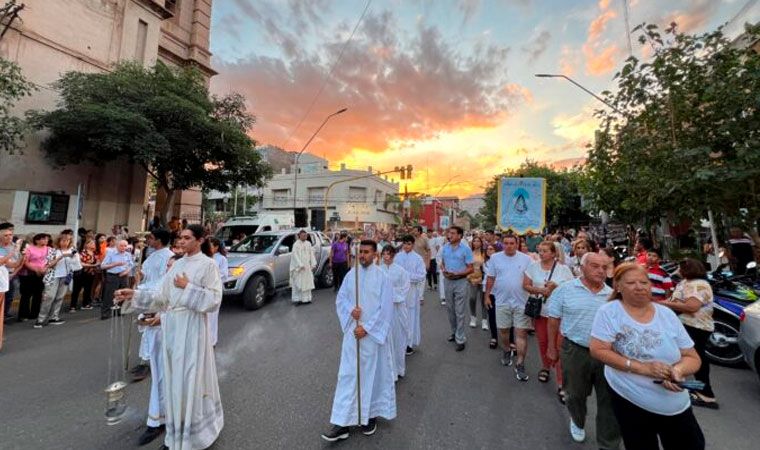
point(730, 296)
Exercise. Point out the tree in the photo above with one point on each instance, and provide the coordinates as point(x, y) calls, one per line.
point(13, 87)
point(563, 202)
point(684, 135)
point(160, 118)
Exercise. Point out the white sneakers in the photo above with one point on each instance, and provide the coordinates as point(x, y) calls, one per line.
point(473, 322)
point(484, 325)
point(578, 433)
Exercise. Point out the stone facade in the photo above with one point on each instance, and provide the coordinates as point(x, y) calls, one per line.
point(54, 37)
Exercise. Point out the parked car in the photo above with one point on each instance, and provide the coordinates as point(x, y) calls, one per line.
point(749, 336)
point(260, 264)
point(238, 228)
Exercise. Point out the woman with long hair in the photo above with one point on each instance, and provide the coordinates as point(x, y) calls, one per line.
point(580, 248)
point(30, 277)
point(56, 280)
point(476, 284)
point(493, 343)
point(540, 279)
point(83, 279)
point(101, 247)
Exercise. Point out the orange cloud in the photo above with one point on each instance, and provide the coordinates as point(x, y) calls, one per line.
point(601, 62)
point(599, 24)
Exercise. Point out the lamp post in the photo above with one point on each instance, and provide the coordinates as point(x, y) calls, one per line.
point(298, 156)
point(552, 75)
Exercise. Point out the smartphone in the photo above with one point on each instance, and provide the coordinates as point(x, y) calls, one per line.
point(689, 385)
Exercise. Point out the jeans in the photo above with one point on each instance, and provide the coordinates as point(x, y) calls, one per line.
point(456, 301)
point(581, 374)
point(641, 428)
point(700, 338)
point(82, 284)
point(476, 298)
point(339, 273)
point(52, 299)
point(432, 274)
point(31, 288)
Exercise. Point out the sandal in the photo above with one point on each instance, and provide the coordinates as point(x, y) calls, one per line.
point(697, 401)
point(543, 375)
point(493, 344)
point(561, 395)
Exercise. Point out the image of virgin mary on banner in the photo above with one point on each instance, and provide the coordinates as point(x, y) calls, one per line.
point(521, 204)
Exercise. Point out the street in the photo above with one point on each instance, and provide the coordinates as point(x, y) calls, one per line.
point(277, 371)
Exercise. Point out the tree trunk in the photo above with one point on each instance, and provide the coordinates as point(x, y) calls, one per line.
point(168, 205)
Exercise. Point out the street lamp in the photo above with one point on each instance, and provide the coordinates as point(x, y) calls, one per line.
point(551, 75)
point(298, 156)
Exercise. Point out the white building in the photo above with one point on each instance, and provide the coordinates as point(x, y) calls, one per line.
point(472, 204)
point(356, 197)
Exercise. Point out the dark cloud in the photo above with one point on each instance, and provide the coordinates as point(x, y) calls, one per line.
point(537, 46)
point(394, 90)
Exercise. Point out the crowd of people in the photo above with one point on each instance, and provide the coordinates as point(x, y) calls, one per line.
point(620, 328)
point(104, 271)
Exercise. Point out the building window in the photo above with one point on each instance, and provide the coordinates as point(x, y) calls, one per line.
point(378, 197)
point(316, 195)
point(357, 194)
point(142, 38)
point(280, 196)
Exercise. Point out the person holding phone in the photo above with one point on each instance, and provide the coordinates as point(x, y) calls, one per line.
point(647, 354)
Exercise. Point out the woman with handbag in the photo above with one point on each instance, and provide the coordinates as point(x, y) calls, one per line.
point(476, 283)
point(540, 280)
point(56, 280)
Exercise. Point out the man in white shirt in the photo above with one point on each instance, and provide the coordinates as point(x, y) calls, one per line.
point(505, 281)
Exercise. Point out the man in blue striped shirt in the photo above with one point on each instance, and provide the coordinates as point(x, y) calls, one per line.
point(117, 266)
point(571, 310)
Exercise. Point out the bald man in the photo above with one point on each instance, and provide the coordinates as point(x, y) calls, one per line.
point(117, 266)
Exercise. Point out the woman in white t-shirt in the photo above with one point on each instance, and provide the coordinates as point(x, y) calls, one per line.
point(646, 352)
point(541, 278)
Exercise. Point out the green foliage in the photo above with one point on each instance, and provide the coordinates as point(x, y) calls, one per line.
point(13, 87)
point(160, 118)
point(687, 134)
point(563, 205)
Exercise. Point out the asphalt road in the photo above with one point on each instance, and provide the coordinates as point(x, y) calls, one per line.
point(277, 369)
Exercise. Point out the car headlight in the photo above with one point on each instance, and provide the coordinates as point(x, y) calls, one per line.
point(236, 271)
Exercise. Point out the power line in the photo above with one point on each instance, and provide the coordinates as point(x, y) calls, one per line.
point(327, 76)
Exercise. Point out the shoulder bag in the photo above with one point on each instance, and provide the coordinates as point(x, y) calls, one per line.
point(536, 302)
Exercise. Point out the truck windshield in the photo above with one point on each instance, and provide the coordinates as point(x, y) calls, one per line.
point(230, 234)
point(259, 243)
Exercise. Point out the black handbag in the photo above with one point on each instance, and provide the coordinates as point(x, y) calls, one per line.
point(535, 303)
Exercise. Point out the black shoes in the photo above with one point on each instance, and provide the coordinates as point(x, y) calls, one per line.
point(56, 322)
point(460, 347)
point(409, 351)
point(150, 434)
point(335, 434)
point(140, 373)
point(370, 428)
point(451, 338)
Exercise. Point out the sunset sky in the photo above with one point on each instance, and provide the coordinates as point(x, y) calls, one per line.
point(445, 85)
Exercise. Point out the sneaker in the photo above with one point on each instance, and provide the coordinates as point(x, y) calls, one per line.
point(443, 302)
point(506, 359)
point(460, 347)
point(88, 307)
point(335, 433)
point(520, 373)
point(409, 351)
point(370, 428)
point(484, 325)
point(473, 322)
point(72, 310)
point(578, 434)
point(38, 325)
point(56, 322)
point(451, 338)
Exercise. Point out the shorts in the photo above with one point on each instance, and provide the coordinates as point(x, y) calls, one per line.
point(511, 316)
